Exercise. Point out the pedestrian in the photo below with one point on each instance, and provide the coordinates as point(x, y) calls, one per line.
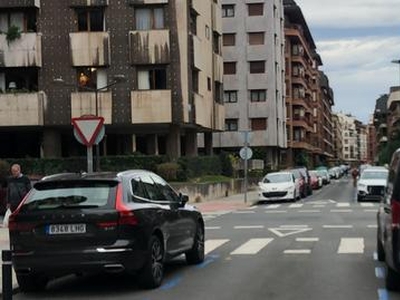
point(18, 186)
point(354, 174)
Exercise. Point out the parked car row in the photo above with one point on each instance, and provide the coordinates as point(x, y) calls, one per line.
point(292, 184)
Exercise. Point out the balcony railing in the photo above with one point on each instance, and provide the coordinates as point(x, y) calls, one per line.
point(25, 51)
point(90, 48)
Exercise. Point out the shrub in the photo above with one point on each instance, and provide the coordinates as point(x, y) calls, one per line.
point(169, 171)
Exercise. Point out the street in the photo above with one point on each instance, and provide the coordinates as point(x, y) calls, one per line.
point(322, 247)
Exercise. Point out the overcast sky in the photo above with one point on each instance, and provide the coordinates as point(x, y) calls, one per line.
point(357, 40)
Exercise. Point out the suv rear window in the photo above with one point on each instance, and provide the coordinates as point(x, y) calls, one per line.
point(69, 194)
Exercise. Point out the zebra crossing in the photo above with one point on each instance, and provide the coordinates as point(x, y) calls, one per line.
point(306, 207)
point(254, 246)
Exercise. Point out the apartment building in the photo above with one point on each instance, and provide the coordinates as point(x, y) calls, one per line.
point(338, 128)
point(372, 144)
point(253, 53)
point(350, 151)
point(151, 68)
point(362, 141)
point(303, 90)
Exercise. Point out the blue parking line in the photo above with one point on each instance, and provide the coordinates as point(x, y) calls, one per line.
point(380, 272)
point(171, 283)
point(209, 259)
point(383, 294)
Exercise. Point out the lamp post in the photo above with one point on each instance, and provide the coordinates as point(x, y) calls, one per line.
point(116, 79)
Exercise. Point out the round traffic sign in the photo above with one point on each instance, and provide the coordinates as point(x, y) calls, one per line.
point(245, 153)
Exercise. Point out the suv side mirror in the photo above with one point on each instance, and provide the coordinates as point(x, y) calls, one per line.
point(183, 199)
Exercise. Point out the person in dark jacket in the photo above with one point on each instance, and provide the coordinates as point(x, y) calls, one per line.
point(18, 186)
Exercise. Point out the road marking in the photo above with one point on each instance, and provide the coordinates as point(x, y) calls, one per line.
point(244, 212)
point(322, 201)
point(309, 239)
point(291, 226)
point(252, 207)
point(318, 205)
point(337, 226)
point(309, 211)
point(296, 205)
point(297, 251)
point(342, 204)
point(351, 245)
point(272, 206)
point(249, 227)
point(380, 272)
point(367, 204)
point(212, 227)
point(375, 256)
point(342, 210)
point(211, 245)
point(383, 294)
point(371, 210)
point(276, 211)
point(282, 232)
point(252, 246)
point(372, 226)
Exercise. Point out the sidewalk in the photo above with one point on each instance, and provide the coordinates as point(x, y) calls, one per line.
point(230, 203)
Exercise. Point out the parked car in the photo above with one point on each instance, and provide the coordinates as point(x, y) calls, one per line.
point(372, 183)
point(324, 175)
point(130, 221)
point(301, 181)
point(388, 218)
point(315, 179)
point(279, 186)
point(307, 180)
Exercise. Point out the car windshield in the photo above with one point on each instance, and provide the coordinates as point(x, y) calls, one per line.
point(277, 178)
point(52, 195)
point(374, 175)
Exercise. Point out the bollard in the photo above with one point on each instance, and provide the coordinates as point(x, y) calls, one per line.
point(7, 274)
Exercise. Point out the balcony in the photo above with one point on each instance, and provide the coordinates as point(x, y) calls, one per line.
point(149, 47)
point(90, 49)
point(22, 109)
point(84, 103)
point(20, 3)
point(23, 52)
point(302, 144)
point(301, 122)
point(151, 106)
point(218, 65)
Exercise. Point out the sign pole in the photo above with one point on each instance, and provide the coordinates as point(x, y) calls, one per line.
point(90, 159)
point(246, 140)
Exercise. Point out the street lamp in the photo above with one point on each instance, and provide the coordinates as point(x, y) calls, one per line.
point(119, 78)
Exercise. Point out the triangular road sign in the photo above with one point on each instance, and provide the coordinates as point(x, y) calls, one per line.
point(88, 128)
point(285, 231)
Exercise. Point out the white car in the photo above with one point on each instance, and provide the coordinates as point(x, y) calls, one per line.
point(279, 186)
point(372, 183)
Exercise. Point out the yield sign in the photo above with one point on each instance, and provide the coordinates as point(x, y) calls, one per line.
point(285, 231)
point(88, 128)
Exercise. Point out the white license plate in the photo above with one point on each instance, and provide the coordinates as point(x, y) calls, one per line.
point(66, 228)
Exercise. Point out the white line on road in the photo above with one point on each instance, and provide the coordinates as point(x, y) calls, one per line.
point(291, 226)
point(342, 204)
point(351, 245)
point(249, 227)
point(342, 210)
point(212, 227)
point(367, 204)
point(309, 211)
point(211, 245)
point(318, 205)
point(243, 212)
point(276, 211)
point(370, 210)
point(309, 239)
point(297, 251)
point(252, 246)
point(296, 205)
point(372, 226)
point(337, 226)
point(272, 206)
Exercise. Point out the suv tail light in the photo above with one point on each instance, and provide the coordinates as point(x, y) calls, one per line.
point(126, 216)
point(395, 213)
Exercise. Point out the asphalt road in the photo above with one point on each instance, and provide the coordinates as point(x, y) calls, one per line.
point(322, 247)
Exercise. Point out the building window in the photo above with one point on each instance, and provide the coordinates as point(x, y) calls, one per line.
point(90, 19)
point(149, 18)
point(258, 95)
point(229, 68)
point(87, 78)
point(257, 67)
point(256, 38)
point(209, 83)
point(258, 124)
point(230, 96)
point(228, 11)
point(216, 42)
point(195, 80)
point(256, 9)
point(218, 91)
point(231, 124)
point(229, 39)
point(25, 21)
point(154, 78)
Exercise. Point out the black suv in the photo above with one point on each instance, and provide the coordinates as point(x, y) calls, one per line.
point(388, 233)
point(131, 221)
